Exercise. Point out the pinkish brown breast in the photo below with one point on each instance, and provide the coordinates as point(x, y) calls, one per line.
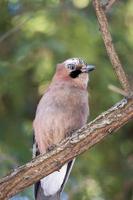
point(62, 109)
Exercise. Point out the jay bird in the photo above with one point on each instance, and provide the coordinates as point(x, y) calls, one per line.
point(62, 109)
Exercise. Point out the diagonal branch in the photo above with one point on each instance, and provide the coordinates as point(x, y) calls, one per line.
point(13, 30)
point(117, 90)
point(109, 5)
point(70, 147)
point(117, 66)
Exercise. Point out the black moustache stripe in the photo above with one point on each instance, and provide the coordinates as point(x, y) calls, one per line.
point(75, 74)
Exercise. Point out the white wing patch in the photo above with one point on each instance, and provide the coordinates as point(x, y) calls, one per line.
point(34, 150)
point(52, 183)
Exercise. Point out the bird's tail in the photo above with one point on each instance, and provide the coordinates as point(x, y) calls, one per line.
point(40, 195)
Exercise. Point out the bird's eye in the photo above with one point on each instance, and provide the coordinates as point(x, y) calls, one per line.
point(72, 67)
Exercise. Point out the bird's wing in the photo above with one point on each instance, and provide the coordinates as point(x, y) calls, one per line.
point(69, 168)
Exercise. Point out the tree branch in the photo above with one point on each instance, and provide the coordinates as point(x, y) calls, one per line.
point(109, 5)
point(117, 90)
point(117, 66)
point(69, 148)
point(13, 30)
point(80, 140)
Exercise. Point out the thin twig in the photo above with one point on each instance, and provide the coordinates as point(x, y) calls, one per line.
point(13, 30)
point(117, 66)
point(117, 90)
point(108, 5)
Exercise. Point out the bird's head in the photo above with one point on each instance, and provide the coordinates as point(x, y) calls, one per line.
point(75, 70)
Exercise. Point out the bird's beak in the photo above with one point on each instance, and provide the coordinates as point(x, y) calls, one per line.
point(87, 68)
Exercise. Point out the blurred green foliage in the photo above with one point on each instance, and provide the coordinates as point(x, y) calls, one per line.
point(35, 35)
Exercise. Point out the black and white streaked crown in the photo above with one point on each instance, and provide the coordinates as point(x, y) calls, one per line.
point(75, 61)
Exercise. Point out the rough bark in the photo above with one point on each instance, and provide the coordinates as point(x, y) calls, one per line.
point(72, 146)
point(104, 28)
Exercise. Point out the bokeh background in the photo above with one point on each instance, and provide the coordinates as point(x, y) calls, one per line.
point(35, 35)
